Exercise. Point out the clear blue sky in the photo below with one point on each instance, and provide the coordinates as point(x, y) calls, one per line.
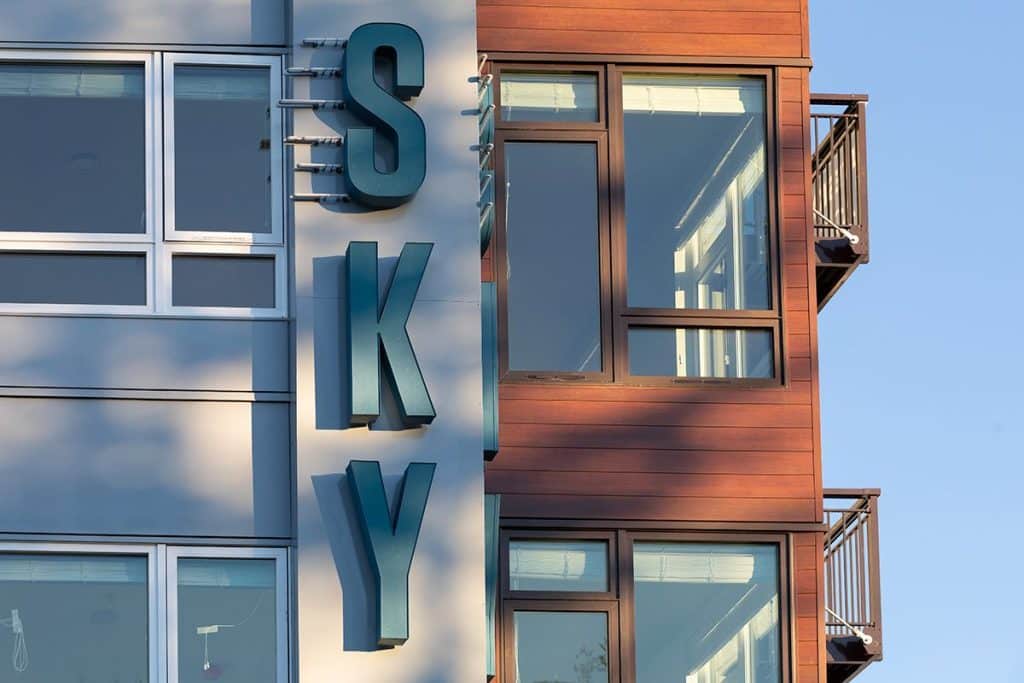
point(920, 351)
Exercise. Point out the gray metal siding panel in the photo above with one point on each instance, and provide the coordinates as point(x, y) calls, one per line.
point(186, 22)
point(180, 468)
point(144, 353)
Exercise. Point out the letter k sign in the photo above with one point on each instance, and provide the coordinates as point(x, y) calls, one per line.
point(390, 543)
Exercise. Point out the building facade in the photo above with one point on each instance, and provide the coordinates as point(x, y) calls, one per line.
point(424, 342)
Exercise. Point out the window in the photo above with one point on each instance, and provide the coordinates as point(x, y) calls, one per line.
point(98, 205)
point(144, 613)
point(637, 247)
point(694, 609)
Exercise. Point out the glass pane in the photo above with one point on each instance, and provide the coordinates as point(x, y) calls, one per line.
point(75, 156)
point(39, 277)
point(227, 621)
point(553, 298)
point(558, 566)
point(222, 148)
point(231, 281)
point(701, 352)
point(547, 96)
point(696, 192)
point(556, 647)
point(74, 617)
point(706, 613)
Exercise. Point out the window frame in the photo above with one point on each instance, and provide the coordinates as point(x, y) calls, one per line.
point(83, 248)
point(171, 232)
point(617, 315)
point(160, 241)
point(152, 124)
point(554, 68)
point(609, 607)
point(153, 604)
point(165, 281)
point(282, 615)
point(500, 245)
point(162, 606)
point(622, 594)
point(607, 537)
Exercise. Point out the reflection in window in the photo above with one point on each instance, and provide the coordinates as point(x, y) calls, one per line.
point(227, 627)
point(553, 296)
point(707, 613)
point(696, 192)
point(557, 647)
point(222, 174)
point(74, 157)
point(74, 618)
point(548, 96)
point(701, 352)
point(558, 566)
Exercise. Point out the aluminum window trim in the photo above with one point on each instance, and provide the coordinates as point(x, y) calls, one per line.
point(164, 279)
point(154, 611)
point(85, 248)
point(281, 593)
point(152, 124)
point(277, 208)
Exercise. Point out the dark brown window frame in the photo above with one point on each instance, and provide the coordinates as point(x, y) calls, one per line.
point(598, 138)
point(622, 634)
point(616, 316)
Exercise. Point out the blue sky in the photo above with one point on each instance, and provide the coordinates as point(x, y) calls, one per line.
point(920, 351)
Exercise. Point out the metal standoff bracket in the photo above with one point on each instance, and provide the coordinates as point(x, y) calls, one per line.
point(306, 167)
point(312, 104)
point(315, 140)
point(321, 197)
point(325, 42)
point(313, 71)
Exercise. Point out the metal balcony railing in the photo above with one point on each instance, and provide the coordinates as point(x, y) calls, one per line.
point(839, 181)
point(853, 598)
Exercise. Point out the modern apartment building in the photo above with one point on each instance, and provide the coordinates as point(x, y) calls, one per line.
point(424, 343)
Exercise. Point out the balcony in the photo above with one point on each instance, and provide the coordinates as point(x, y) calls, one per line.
point(839, 172)
point(853, 596)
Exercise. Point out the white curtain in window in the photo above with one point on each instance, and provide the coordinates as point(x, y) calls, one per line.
point(668, 93)
point(71, 80)
point(549, 91)
point(72, 568)
point(697, 563)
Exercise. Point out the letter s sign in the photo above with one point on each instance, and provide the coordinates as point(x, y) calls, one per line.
point(386, 111)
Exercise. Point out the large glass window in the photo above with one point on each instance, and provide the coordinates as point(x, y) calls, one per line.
point(227, 620)
point(697, 611)
point(67, 617)
point(97, 612)
point(106, 173)
point(74, 156)
point(695, 192)
point(722, 602)
point(551, 270)
point(687, 291)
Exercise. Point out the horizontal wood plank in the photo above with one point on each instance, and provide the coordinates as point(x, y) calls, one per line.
point(653, 484)
point(634, 43)
point(658, 509)
point(796, 392)
point(643, 438)
point(638, 20)
point(725, 6)
point(654, 414)
point(721, 463)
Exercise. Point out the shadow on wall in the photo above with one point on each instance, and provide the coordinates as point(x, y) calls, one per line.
point(221, 22)
point(101, 466)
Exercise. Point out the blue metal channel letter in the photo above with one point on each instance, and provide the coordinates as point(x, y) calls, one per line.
point(369, 333)
point(390, 544)
point(386, 112)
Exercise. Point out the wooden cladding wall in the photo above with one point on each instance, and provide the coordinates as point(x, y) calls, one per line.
point(704, 28)
point(702, 454)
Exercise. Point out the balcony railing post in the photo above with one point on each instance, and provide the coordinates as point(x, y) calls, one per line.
point(862, 176)
point(874, 565)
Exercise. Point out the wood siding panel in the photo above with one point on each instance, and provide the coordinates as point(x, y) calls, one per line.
point(809, 627)
point(701, 453)
point(700, 28)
